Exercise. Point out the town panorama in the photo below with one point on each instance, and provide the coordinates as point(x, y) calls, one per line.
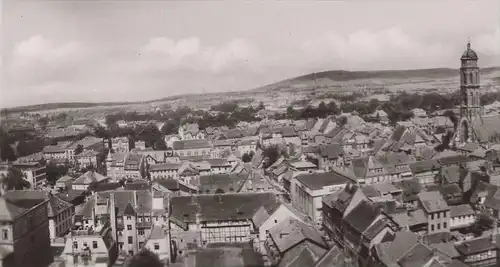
point(333, 168)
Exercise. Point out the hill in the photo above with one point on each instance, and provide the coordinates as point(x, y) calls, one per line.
point(401, 76)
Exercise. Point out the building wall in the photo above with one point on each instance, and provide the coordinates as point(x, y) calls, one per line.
point(31, 238)
point(193, 152)
point(438, 221)
point(159, 246)
point(281, 214)
point(61, 223)
point(462, 221)
point(163, 174)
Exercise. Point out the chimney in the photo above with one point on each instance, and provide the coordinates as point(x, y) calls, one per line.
point(283, 234)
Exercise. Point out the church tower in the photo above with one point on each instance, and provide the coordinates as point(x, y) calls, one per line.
point(470, 107)
point(470, 97)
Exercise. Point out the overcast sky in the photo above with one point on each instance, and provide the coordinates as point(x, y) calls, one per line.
point(56, 51)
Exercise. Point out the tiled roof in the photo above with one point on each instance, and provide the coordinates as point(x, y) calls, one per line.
point(317, 181)
point(191, 144)
point(331, 151)
point(305, 254)
point(291, 232)
point(362, 216)
point(432, 201)
point(56, 205)
point(90, 177)
point(461, 210)
point(15, 203)
point(164, 167)
point(241, 206)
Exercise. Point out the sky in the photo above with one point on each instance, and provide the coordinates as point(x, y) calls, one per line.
point(68, 51)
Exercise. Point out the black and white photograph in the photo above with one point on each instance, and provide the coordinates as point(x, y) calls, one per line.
point(246, 133)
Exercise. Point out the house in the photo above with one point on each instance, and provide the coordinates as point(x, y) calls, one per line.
point(87, 179)
point(87, 158)
point(92, 246)
point(57, 153)
point(264, 220)
point(217, 218)
point(246, 146)
point(219, 165)
point(461, 216)
point(290, 234)
point(159, 243)
point(307, 191)
point(64, 183)
point(164, 170)
point(25, 244)
point(115, 165)
point(482, 251)
point(220, 183)
point(425, 171)
point(192, 148)
point(303, 166)
point(60, 214)
point(134, 166)
point(331, 156)
point(389, 167)
point(436, 210)
point(34, 173)
point(355, 223)
point(120, 144)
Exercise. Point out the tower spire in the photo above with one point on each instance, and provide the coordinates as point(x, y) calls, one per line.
point(468, 43)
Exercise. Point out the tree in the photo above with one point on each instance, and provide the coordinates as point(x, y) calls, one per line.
point(15, 180)
point(247, 157)
point(145, 258)
point(452, 116)
point(272, 154)
point(6, 152)
point(341, 121)
point(261, 106)
point(78, 149)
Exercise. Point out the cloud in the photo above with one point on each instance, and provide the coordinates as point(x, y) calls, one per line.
point(488, 43)
point(166, 54)
point(38, 60)
point(389, 48)
point(38, 49)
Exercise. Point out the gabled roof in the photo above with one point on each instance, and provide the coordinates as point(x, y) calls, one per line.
point(362, 216)
point(223, 207)
point(129, 210)
point(90, 177)
point(316, 181)
point(291, 232)
point(191, 144)
point(56, 205)
point(14, 203)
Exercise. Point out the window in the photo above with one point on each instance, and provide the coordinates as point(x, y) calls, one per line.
point(120, 245)
point(444, 225)
point(130, 241)
point(147, 219)
point(275, 221)
point(5, 234)
point(129, 218)
point(438, 226)
point(141, 244)
point(432, 216)
point(94, 244)
point(432, 228)
point(75, 244)
point(141, 231)
point(131, 252)
point(157, 246)
point(437, 214)
point(129, 227)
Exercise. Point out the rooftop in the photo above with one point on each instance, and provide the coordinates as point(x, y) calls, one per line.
point(317, 181)
point(433, 201)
